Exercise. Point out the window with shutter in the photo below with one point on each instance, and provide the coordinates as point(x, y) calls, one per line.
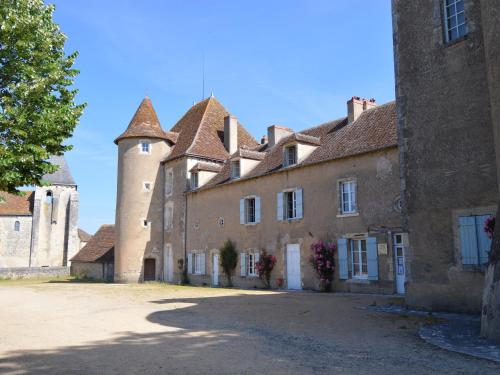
point(474, 242)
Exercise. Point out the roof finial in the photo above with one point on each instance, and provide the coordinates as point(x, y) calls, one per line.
point(203, 75)
point(212, 94)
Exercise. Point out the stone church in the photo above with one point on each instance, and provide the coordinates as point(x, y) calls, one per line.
point(40, 228)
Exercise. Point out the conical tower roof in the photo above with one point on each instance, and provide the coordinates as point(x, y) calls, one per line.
point(145, 124)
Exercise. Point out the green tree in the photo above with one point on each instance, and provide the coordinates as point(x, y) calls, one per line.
point(228, 260)
point(37, 108)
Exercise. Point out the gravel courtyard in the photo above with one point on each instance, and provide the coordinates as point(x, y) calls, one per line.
point(63, 327)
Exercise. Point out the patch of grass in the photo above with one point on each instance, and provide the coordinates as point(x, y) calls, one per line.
point(34, 281)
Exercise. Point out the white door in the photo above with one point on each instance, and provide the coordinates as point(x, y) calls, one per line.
point(293, 266)
point(399, 257)
point(215, 270)
point(168, 269)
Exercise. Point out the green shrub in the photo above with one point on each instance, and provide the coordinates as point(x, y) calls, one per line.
point(228, 260)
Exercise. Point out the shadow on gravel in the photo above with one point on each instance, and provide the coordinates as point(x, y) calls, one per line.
point(262, 333)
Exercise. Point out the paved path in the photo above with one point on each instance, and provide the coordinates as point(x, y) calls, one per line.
point(60, 328)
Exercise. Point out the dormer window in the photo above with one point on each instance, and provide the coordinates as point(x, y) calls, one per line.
point(290, 155)
point(145, 147)
point(235, 169)
point(194, 180)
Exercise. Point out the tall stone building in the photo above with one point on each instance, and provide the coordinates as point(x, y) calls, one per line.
point(447, 93)
point(40, 229)
point(182, 193)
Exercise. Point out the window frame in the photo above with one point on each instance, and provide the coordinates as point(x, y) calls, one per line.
point(147, 186)
point(197, 264)
point(359, 250)
point(17, 226)
point(247, 210)
point(194, 180)
point(287, 161)
point(448, 29)
point(251, 267)
point(143, 142)
point(351, 194)
point(293, 195)
point(234, 163)
point(169, 182)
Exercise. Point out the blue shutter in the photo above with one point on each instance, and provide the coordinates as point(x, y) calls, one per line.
point(371, 258)
point(257, 209)
point(468, 240)
point(343, 268)
point(483, 241)
point(202, 263)
point(298, 204)
point(280, 206)
point(242, 211)
point(190, 262)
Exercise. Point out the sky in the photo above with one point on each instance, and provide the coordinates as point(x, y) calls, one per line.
point(288, 62)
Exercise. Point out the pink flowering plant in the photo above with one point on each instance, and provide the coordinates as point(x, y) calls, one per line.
point(489, 226)
point(264, 267)
point(323, 262)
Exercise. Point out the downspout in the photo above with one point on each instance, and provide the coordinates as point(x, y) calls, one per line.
point(185, 231)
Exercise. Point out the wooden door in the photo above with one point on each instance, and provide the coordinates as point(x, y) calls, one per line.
point(149, 269)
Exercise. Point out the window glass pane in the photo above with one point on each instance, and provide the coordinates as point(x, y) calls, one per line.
point(460, 6)
point(453, 34)
point(452, 22)
point(449, 2)
point(460, 18)
point(461, 30)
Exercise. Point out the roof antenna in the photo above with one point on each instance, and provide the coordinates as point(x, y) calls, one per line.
point(203, 75)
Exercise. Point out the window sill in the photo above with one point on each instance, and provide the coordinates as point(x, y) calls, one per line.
point(352, 214)
point(456, 41)
point(250, 224)
point(292, 219)
point(358, 280)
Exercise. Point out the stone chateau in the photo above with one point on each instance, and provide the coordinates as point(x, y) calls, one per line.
point(402, 188)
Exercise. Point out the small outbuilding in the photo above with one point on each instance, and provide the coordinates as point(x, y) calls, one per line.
point(96, 259)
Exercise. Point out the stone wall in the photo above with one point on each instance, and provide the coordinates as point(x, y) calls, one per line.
point(15, 245)
point(87, 270)
point(33, 272)
point(377, 177)
point(446, 148)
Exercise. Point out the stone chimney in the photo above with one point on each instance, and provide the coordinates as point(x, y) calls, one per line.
point(356, 106)
point(231, 134)
point(275, 133)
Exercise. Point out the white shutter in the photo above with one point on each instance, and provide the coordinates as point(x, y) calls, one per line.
point(280, 206)
point(242, 211)
point(298, 204)
point(256, 257)
point(243, 264)
point(190, 262)
point(202, 264)
point(342, 251)
point(257, 209)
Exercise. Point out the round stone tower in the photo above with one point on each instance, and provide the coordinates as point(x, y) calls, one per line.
point(139, 201)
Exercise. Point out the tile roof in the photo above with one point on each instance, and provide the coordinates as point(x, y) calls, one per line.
point(99, 246)
point(11, 205)
point(63, 175)
point(375, 129)
point(303, 138)
point(145, 123)
point(84, 236)
point(209, 167)
point(249, 154)
point(201, 132)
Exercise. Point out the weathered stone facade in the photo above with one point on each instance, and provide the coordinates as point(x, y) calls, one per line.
point(447, 150)
point(43, 231)
point(194, 205)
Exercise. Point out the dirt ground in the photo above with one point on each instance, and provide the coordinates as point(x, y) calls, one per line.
point(63, 327)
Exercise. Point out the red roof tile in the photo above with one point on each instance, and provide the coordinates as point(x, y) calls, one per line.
point(145, 123)
point(375, 129)
point(201, 132)
point(99, 246)
point(21, 205)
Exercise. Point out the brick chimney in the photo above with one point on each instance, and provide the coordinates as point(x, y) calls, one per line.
point(275, 133)
point(231, 134)
point(356, 106)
